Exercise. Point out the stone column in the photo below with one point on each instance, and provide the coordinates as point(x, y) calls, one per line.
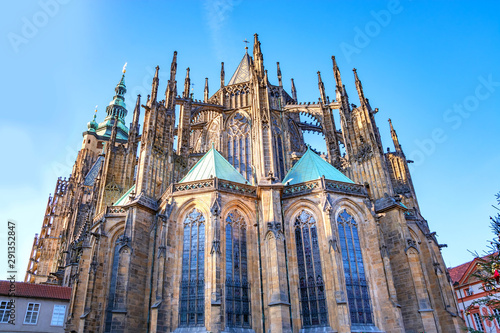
point(274, 263)
point(215, 259)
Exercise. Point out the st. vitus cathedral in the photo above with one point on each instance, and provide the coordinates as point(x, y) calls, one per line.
point(218, 217)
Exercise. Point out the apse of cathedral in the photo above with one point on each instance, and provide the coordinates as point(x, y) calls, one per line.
point(218, 217)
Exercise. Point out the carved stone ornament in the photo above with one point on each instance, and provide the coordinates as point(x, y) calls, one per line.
point(215, 247)
point(275, 228)
point(365, 152)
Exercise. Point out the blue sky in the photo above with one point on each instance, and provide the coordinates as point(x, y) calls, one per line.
point(432, 67)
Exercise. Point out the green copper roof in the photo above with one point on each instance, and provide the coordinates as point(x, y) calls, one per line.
point(242, 73)
point(212, 165)
point(311, 167)
point(115, 108)
point(124, 198)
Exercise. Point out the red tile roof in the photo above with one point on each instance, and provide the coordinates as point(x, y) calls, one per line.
point(456, 273)
point(23, 289)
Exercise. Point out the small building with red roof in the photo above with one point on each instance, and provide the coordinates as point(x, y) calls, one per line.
point(29, 307)
point(468, 288)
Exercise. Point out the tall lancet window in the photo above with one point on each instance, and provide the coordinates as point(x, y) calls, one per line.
point(354, 271)
point(112, 288)
point(192, 300)
point(311, 284)
point(278, 149)
point(237, 288)
point(238, 146)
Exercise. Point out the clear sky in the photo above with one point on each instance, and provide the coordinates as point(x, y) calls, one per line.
point(430, 66)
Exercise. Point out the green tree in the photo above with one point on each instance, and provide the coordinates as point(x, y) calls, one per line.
point(488, 271)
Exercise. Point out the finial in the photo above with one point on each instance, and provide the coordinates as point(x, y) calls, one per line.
point(246, 45)
point(95, 112)
point(124, 68)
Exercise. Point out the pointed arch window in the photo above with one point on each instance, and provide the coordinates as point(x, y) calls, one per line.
point(311, 284)
point(237, 287)
point(238, 146)
point(192, 295)
point(112, 286)
point(278, 149)
point(355, 279)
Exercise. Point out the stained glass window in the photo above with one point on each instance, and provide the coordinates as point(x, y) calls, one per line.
point(192, 299)
point(356, 284)
point(311, 285)
point(238, 146)
point(112, 288)
point(237, 287)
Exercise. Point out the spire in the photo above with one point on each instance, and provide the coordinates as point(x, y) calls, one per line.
point(336, 74)
point(187, 84)
point(279, 75)
point(173, 67)
point(154, 89)
point(359, 88)
point(205, 99)
point(114, 130)
point(395, 138)
point(222, 74)
point(294, 91)
point(117, 106)
point(134, 126)
point(257, 56)
point(321, 87)
point(171, 91)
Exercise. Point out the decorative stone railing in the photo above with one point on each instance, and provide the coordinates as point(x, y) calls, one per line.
point(212, 184)
point(324, 185)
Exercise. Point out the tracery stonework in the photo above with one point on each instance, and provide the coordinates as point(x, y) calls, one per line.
point(224, 220)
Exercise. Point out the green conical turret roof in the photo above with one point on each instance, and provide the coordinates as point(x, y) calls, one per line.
point(116, 108)
point(310, 167)
point(213, 165)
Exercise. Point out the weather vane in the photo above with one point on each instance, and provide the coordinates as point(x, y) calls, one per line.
point(124, 68)
point(246, 44)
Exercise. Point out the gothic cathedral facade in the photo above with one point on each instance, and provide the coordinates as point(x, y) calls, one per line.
point(218, 217)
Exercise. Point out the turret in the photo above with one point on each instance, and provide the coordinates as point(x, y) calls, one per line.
point(338, 80)
point(154, 88)
point(134, 126)
point(359, 88)
point(187, 84)
point(321, 87)
point(294, 92)
point(171, 91)
point(395, 139)
point(279, 75)
point(222, 74)
point(116, 108)
point(205, 94)
point(258, 57)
